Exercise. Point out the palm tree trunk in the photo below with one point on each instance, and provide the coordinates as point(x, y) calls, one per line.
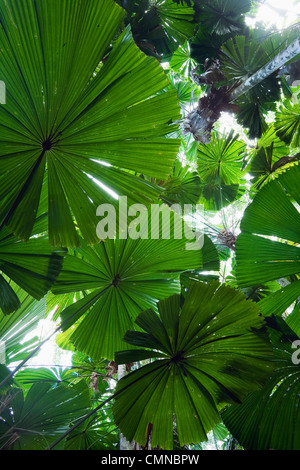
point(279, 61)
point(201, 120)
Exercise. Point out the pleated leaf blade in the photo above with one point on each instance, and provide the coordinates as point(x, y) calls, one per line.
point(214, 349)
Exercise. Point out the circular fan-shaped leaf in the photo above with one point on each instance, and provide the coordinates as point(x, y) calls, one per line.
point(120, 278)
point(220, 169)
point(79, 113)
point(224, 16)
point(183, 187)
point(181, 61)
point(159, 26)
point(241, 59)
point(210, 350)
point(270, 154)
point(221, 160)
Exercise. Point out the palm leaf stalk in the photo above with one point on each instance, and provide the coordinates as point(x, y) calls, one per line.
point(201, 120)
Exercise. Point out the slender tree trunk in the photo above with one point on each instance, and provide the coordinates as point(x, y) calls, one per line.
point(279, 61)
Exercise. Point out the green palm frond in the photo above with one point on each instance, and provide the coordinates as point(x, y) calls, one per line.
point(159, 26)
point(209, 350)
point(16, 326)
point(221, 160)
point(269, 419)
point(121, 278)
point(287, 123)
point(223, 16)
point(268, 247)
point(241, 58)
point(34, 421)
point(34, 266)
point(78, 112)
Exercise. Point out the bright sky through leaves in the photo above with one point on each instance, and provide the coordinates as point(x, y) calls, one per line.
point(276, 13)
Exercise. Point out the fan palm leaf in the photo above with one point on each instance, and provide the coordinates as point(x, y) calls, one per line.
point(221, 160)
point(120, 278)
point(287, 123)
point(72, 104)
point(159, 26)
point(269, 418)
point(210, 350)
point(268, 247)
point(34, 421)
point(223, 16)
point(16, 326)
point(34, 266)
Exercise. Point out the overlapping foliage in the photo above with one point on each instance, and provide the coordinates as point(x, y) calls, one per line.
point(90, 116)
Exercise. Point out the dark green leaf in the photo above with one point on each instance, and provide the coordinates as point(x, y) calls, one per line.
point(211, 350)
